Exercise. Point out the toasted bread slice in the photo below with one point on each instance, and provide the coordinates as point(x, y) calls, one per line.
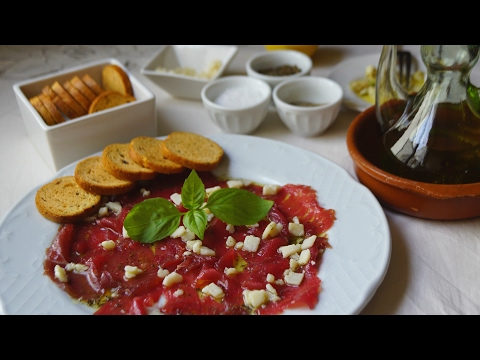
point(83, 88)
point(116, 79)
point(192, 150)
point(117, 161)
point(52, 109)
point(64, 201)
point(77, 95)
point(147, 151)
point(92, 84)
point(59, 103)
point(68, 99)
point(42, 110)
point(109, 99)
point(92, 176)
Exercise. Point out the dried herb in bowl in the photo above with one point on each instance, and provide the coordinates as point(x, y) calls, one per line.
point(282, 70)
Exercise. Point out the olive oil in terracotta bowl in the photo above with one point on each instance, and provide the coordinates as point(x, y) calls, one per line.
point(414, 198)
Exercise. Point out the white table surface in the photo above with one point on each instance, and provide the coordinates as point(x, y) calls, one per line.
point(434, 266)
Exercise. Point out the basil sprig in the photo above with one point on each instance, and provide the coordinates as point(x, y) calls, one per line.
point(157, 218)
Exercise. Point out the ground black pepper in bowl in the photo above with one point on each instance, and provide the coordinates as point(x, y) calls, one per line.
point(282, 70)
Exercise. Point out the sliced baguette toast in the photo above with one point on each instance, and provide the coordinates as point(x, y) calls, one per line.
point(116, 79)
point(109, 99)
point(92, 84)
point(68, 99)
point(147, 151)
point(42, 110)
point(83, 88)
point(192, 150)
point(59, 103)
point(64, 201)
point(91, 175)
point(77, 95)
point(52, 108)
point(117, 161)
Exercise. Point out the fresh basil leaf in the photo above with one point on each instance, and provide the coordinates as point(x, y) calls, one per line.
point(238, 206)
point(151, 220)
point(196, 221)
point(193, 191)
point(155, 219)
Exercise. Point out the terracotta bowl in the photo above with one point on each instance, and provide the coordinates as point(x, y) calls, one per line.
point(414, 198)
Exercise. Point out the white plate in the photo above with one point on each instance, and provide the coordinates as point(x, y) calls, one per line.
point(349, 70)
point(350, 272)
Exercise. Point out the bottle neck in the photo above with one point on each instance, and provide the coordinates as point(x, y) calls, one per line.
point(449, 86)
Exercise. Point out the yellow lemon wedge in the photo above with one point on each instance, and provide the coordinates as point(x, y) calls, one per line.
point(306, 49)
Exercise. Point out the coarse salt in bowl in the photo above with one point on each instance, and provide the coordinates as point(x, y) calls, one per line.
point(237, 104)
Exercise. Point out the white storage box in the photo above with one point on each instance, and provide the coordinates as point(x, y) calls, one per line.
point(63, 143)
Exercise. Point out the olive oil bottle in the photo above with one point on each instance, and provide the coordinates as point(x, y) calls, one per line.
point(449, 155)
point(432, 136)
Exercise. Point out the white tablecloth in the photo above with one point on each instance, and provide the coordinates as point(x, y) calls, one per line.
point(434, 266)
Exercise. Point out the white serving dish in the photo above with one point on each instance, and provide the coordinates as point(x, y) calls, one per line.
point(196, 57)
point(350, 271)
point(237, 104)
point(274, 59)
point(323, 95)
point(63, 143)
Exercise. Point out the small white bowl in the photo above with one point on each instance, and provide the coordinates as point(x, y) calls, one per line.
point(275, 59)
point(308, 105)
point(237, 104)
point(183, 70)
point(73, 139)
